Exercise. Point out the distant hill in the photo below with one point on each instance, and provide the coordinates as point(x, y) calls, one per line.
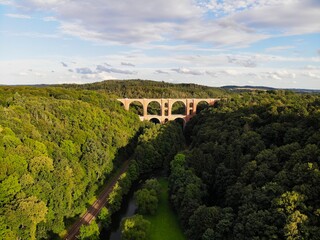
point(263, 88)
point(154, 89)
point(151, 89)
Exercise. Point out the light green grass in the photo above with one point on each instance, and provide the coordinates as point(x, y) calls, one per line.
point(165, 224)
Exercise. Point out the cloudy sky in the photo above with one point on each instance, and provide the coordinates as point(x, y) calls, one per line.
point(212, 42)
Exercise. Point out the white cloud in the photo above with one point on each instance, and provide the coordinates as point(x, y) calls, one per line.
point(225, 72)
point(187, 71)
point(101, 68)
point(312, 67)
point(161, 72)
point(84, 70)
point(20, 16)
point(39, 74)
point(126, 21)
point(127, 64)
point(64, 64)
point(6, 2)
point(33, 34)
point(220, 33)
point(278, 48)
point(49, 19)
point(287, 17)
point(313, 75)
point(231, 6)
point(278, 75)
point(23, 74)
point(231, 72)
point(242, 61)
point(241, 22)
point(210, 74)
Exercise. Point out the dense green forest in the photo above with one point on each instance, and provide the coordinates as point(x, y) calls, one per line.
point(251, 170)
point(151, 89)
point(156, 146)
point(56, 147)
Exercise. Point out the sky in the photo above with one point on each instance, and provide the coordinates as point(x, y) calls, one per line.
point(272, 43)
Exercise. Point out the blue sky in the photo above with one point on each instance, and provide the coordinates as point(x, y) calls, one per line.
point(211, 42)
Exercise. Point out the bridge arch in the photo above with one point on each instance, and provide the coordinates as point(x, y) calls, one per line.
point(136, 106)
point(202, 105)
point(179, 107)
point(181, 121)
point(166, 104)
point(155, 120)
point(154, 108)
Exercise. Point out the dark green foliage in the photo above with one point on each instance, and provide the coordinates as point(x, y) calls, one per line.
point(153, 184)
point(258, 156)
point(56, 147)
point(186, 190)
point(104, 217)
point(135, 227)
point(165, 141)
point(147, 198)
point(211, 220)
point(151, 89)
point(147, 201)
point(157, 145)
point(178, 108)
point(89, 232)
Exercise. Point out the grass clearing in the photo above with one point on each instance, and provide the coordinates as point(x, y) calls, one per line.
point(165, 224)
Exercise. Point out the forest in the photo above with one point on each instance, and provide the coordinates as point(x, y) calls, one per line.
point(151, 89)
point(56, 147)
point(245, 168)
point(251, 170)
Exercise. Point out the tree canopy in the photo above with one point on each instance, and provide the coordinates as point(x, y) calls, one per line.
point(56, 147)
point(251, 170)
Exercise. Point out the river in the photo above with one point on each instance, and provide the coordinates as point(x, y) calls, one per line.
point(128, 208)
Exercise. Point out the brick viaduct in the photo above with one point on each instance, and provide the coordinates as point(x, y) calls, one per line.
point(166, 104)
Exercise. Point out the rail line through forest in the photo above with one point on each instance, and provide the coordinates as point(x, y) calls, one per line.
point(95, 208)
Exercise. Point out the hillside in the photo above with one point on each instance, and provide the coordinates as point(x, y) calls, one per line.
point(150, 89)
point(263, 88)
point(57, 146)
point(252, 169)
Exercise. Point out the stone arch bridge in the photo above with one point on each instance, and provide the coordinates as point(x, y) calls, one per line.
point(166, 104)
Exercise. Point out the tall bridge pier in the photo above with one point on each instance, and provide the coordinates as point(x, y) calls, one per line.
point(166, 104)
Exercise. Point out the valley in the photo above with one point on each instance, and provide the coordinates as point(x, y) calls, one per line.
point(246, 167)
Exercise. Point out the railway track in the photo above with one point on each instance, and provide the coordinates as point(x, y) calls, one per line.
point(95, 208)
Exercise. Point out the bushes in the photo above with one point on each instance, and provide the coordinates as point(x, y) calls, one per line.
point(104, 217)
point(89, 232)
point(147, 198)
point(135, 227)
point(121, 188)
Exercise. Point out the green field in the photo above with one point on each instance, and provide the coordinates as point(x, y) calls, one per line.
point(165, 224)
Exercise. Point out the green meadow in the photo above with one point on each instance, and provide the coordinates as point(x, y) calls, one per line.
point(165, 224)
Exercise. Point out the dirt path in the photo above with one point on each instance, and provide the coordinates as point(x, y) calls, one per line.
point(95, 208)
